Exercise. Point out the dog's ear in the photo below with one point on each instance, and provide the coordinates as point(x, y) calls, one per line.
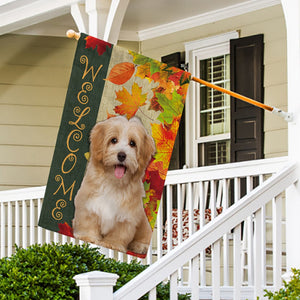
point(148, 150)
point(97, 141)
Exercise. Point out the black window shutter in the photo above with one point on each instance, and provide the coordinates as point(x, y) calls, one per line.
point(178, 156)
point(246, 77)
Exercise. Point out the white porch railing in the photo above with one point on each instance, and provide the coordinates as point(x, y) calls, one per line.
point(189, 192)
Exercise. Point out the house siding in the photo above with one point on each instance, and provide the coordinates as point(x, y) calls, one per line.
point(270, 22)
point(35, 72)
point(34, 76)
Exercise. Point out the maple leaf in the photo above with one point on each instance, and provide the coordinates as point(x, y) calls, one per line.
point(164, 137)
point(185, 78)
point(175, 77)
point(94, 43)
point(130, 102)
point(121, 73)
point(171, 108)
point(143, 71)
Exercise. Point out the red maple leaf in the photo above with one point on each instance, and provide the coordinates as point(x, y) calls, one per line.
point(66, 229)
point(94, 43)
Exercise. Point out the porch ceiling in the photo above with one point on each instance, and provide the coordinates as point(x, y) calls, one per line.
point(143, 19)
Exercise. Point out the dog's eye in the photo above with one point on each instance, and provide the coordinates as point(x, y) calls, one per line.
point(114, 141)
point(132, 143)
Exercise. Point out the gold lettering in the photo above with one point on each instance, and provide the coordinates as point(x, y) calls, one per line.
point(62, 185)
point(84, 60)
point(56, 213)
point(77, 113)
point(86, 87)
point(77, 136)
point(71, 157)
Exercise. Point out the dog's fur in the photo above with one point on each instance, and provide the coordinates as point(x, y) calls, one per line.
point(108, 206)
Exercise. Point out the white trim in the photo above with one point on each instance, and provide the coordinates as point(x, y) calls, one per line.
point(212, 41)
point(22, 16)
point(194, 50)
point(213, 138)
point(206, 18)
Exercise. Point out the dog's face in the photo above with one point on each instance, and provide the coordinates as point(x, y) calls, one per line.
point(122, 147)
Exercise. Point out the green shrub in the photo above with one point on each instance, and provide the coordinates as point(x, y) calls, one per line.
point(46, 272)
point(290, 291)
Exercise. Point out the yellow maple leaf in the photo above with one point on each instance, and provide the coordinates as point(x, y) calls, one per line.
point(130, 102)
point(164, 137)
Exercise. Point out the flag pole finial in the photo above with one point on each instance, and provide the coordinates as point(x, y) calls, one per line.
point(73, 34)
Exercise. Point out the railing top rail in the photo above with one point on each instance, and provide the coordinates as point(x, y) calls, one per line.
point(208, 234)
point(22, 194)
point(231, 170)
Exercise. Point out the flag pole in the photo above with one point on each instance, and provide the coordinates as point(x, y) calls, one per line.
point(287, 116)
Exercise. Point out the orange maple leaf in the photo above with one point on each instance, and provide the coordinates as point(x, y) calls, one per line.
point(130, 102)
point(164, 137)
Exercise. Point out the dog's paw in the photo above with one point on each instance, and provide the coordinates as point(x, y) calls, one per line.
point(113, 245)
point(88, 238)
point(138, 247)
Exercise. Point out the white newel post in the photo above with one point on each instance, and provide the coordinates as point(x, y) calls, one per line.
point(96, 285)
point(292, 18)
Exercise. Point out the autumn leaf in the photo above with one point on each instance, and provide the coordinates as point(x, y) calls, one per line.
point(155, 169)
point(94, 43)
point(66, 229)
point(164, 137)
point(130, 102)
point(171, 108)
point(139, 59)
point(143, 71)
point(87, 155)
point(121, 73)
point(185, 78)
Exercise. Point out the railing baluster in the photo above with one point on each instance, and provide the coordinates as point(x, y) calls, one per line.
point(216, 270)
point(258, 287)
point(249, 232)
point(40, 230)
point(9, 228)
point(173, 286)
point(202, 222)
point(32, 222)
point(2, 224)
point(169, 217)
point(277, 241)
point(213, 198)
point(24, 224)
point(152, 294)
point(194, 282)
point(224, 204)
point(237, 276)
point(179, 228)
point(159, 226)
point(17, 223)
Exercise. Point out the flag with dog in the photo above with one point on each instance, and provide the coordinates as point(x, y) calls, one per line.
point(114, 145)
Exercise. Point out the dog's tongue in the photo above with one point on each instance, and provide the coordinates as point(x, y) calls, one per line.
point(119, 171)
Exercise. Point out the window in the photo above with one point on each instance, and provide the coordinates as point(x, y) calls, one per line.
point(208, 110)
point(214, 112)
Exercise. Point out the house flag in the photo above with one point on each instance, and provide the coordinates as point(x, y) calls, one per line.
point(114, 145)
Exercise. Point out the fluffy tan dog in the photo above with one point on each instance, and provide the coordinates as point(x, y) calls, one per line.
point(108, 206)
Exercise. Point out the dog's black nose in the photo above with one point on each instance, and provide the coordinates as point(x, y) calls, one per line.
point(121, 156)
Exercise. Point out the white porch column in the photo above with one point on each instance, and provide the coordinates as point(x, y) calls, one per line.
point(105, 18)
point(96, 285)
point(292, 18)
